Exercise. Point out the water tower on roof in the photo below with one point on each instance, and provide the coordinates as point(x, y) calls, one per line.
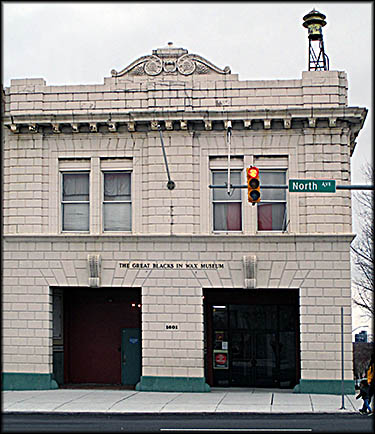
point(314, 21)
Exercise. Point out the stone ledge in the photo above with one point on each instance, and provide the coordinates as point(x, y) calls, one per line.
point(143, 121)
point(289, 237)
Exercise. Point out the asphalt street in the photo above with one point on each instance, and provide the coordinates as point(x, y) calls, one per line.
point(49, 422)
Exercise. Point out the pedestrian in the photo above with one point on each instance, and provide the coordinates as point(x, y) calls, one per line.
point(370, 379)
point(364, 394)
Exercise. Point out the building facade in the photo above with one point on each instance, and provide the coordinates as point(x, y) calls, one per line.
point(112, 276)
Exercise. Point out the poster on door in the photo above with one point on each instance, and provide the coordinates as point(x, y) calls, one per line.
point(220, 359)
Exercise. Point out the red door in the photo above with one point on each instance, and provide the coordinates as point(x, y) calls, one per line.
point(93, 322)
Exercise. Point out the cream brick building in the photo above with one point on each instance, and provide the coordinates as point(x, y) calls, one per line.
point(109, 277)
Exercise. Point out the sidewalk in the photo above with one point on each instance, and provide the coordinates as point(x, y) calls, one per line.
point(217, 401)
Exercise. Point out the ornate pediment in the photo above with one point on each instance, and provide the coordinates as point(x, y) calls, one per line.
point(170, 61)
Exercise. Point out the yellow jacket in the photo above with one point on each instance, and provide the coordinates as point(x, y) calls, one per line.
point(370, 374)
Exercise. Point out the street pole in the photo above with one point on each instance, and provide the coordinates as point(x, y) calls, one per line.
point(342, 359)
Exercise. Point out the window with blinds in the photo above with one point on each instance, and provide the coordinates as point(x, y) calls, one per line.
point(227, 209)
point(272, 210)
point(75, 201)
point(117, 201)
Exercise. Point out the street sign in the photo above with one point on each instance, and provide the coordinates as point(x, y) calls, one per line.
point(312, 186)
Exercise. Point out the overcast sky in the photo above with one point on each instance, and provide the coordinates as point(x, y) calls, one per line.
point(80, 43)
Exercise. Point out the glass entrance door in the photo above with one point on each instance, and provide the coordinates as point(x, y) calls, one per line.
point(265, 366)
point(255, 328)
point(242, 358)
point(259, 342)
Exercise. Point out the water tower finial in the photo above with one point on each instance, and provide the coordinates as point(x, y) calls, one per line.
point(314, 21)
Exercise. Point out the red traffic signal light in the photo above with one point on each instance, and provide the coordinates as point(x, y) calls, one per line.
point(253, 185)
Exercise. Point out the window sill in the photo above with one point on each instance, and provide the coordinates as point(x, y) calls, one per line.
point(273, 232)
point(227, 232)
point(75, 232)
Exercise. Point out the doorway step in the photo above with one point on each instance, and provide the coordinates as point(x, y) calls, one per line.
point(98, 386)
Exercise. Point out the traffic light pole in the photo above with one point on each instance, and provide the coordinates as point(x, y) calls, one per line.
point(285, 187)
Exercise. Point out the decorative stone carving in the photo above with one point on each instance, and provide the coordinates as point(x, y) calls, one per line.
point(287, 123)
point(249, 268)
point(227, 124)
point(138, 70)
point(153, 66)
point(332, 122)
point(169, 125)
point(312, 122)
point(170, 60)
point(131, 126)
point(29, 126)
point(94, 262)
point(112, 127)
point(75, 128)
point(169, 66)
point(186, 65)
point(202, 69)
point(154, 125)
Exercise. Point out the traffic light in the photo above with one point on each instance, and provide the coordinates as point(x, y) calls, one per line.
point(253, 185)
